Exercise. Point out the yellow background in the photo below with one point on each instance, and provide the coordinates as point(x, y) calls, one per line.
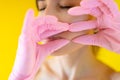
point(12, 13)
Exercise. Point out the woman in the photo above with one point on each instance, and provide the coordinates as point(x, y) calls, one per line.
point(73, 57)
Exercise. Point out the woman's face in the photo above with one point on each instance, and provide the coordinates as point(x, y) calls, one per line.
point(59, 9)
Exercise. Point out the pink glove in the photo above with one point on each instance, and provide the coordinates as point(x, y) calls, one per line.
point(30, 54)
point(107, 23)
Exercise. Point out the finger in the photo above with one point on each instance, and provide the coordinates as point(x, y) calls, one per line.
point(48, 26)
point(48, 19)
point(110, 23)
point(113, 7)
point(95, 3)
point(81, 11)
point(105, 10)
point(29, 15)
point(109, 4)
point(49, 23)
point(90, 40)
point(44, 33)
point(28, 19)
point(52, 46)
point(44, 51)
point(44, 22)
point(83, 25)
point(61, 26)
point(116, 26)
point(90, 3)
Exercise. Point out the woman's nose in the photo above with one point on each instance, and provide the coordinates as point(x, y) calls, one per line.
point(54, 12)
point(50, 11)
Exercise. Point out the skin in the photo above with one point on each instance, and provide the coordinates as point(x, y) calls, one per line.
point(76, 61)
point(62, 15)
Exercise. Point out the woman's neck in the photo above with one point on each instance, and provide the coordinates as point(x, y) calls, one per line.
point(82, 63)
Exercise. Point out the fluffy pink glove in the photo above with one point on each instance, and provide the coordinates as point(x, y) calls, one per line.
point(107, 23)
point(30, 54)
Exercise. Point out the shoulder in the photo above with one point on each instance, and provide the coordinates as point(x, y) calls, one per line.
point(115, 76)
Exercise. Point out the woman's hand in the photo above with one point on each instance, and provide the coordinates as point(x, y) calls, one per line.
point(107, 24)
point(30, 54)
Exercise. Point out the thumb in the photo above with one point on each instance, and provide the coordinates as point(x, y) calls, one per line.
point(45, 50)
point(29, 15)
point(28, 19)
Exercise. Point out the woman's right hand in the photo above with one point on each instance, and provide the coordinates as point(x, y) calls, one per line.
point(106, 24)
point(30, 54)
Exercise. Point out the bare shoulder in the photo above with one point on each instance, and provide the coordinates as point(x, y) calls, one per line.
point(115, 76)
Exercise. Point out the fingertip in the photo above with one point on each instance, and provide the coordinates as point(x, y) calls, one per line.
point(70, 11)
point(74, 11)
point(29, 16)
point(30, 13)
point(87, 39)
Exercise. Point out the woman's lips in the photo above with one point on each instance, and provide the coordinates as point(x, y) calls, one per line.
point(52, 38)
point(55, 37)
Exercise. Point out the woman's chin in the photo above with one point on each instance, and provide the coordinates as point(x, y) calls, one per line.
point(68, 49)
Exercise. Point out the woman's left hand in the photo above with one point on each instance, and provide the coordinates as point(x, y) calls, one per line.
point(107, 24)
